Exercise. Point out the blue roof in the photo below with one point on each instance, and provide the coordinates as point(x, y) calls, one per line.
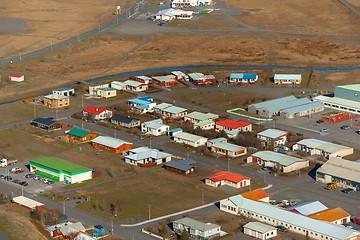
point(274, 102)
point(139, 101)
point(243, 76)
point(175, 130)
point(146, 98)
point(142, 107)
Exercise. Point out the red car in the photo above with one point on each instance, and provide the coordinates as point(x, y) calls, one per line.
point(356, 220)
point(19, 171)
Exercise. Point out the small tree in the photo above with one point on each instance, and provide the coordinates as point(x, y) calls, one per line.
point(184, 235)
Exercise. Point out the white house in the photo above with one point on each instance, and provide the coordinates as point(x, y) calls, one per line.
point(287, 79)
point(118, 85)
point(142, 105)
point(171, 14)
point(189, 139)
point(297, 223)
point(197, 229)
point(170, 111)
point(94, 87)
point(227, 178)
point(16, 77)
point(105, 92)
point(65, 91)
point(259, 230)
point(135, 86)
point(97, 113)
point(154, 127)
point(228, 149)
point(211, 142)
point(272, 137)
point(205, 125)
point(196, 117)
point(145, 157)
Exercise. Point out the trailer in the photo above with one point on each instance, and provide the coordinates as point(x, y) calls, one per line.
point(4, 162)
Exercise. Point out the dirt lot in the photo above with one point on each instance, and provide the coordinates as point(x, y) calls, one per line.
point(299, 16)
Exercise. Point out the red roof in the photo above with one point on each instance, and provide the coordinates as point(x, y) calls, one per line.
point(94, 110)
point(223, 175)
point(233, 124)
point(16, 75)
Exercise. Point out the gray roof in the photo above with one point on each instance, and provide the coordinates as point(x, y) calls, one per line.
point(204, 123)
point(344, 102)
point(162, 106)
point(154, 124)
point(188, 136)
point(322, 145)
point(123, 118)
point(259, 227)
point(194, 224)
point(274, 102)
point(341, 168)
point(182, 165)
point(143, 77)
point(308, 208)
point(268, 210)
point(166, 78)
point(290, 104)
point(283, 159)
point(304, 107)
point(133, 83)
point(174, 110)
point(149, 153)
point(55, 96)
point(64, 89)
point(272, 133)
point(109, 141)
point(227, 146)
point(72, 228)
point(201, 116)
point(217, 140)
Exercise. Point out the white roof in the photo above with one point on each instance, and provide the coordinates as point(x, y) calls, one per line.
point(174, 109)
point(341, 168)
point(27, 202)
point(204, 123)
point(144, 153)
point(194, 224)
point(259, 227)
point(317, 226)
point(283, 159)
point(143, 78)
point(166, 78)
point(217, 140)
point(309, 208)
point(287, 77)
point(162, 106)
point(72, 228)
point(344, 102)
point(201, 116)
point(109, 141)
point(227, 146)
point(322, 145)
point(83, 236)
point(178, 74)
point(189, 137)
point(154, 124)
point(272, 133)
point(133, 83)
point(55, 96)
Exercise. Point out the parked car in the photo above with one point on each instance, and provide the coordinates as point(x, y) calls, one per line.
point(282, 229)
point(319, 121)
point(161, 23)
point(8, 178)
point(24, 183)
point(299, 134)
point(16, 181)
point(151, 18)
point(46, 180)
point(292, 202)
point(285, 202)
point(62, 217)
point(140, 137)
point(14, 169)
point(19, 171)
point(324, 130)
point(36, 177)
point(49, 182)
point(358, 132)
point(2, 176)
point(30, 175)
point(356, 220)
point(345, 127)
point(348, 190)
point(348, 226)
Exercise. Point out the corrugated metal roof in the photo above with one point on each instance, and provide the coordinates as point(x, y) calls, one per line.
point(229, 176)
point(109, 141)
point(341, 168)
point(282, 159)
point(162, 106)
point(194, 224)
point(308, 208)
point(143, 78)
point(60, 165)
point(304, 107)
point(287, 77)
point(148, 153)
point(133, 83)
point(154, 124)
point(256, 195)
point(182, 165)
point(259, 227)
point(189, 137)
point(243, 76)
point(272, 133)
point(166, 78)
point(27, 202)
point(64, 89)
point(78, 132)
point(320, 227)
point(174, 110)
point(227, 146)
point(178, 73)
point(290, 104)
point(204, 123)
point(322, 145)
point(355, 87)
point(330, 215)
point(274, 102)
point(199, 116)
point(216, 140)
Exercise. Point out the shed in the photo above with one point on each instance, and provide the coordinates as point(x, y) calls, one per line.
point(27, 202)
point(15, 77)
point(182, 167)
point(111, 144)
point(80, 135)
point(259, 230)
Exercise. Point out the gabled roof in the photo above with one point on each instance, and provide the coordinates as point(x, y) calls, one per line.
point(204, 123)
point(154, 124)
point(233, 124)
point(182, 165)
point(201, 116)
point(133, 83)
point(290, 104)
point(274, 102)
point(94, 109)
point(194, 224)
point(178, 73)
point(322, 145)
point(145, 153)
point(228, 176)
point(48, 121)
point(59, 165)
point(341, 168)
point(124, 118)
point(272, 133)
point(72, 228)
point(330, 215)
point(304, 107)
point(243, 76)
point(259, 227)
point(189, 137)
point(287, 77)
point(217, 140)
point(163, 106)
point(282, 159)
point(27, 202)
point(64, 88)
point(109, 141)
point(143, 78)
point(227, 146)
point(78, 132)
point(17, 75)
point(166, 78)
point(256, 194)
point(174, 110)
point(308, 208)
point(320, 227)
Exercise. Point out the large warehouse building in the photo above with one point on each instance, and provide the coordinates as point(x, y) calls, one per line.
point(60, 170)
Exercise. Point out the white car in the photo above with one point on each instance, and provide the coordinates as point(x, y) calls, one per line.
point(14, 169)
point(324, 130)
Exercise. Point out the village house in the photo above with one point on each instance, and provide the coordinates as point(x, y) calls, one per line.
point(135, 86)
point(56, 101)
point(243, 78)
point(257, 195)
point(143, 79)
point(327, 149)
point(164, 81)
point(308, 208)
point(228, 149)
point(182, 167)
point(15, 77)
point(287, 79)
point(111, 144)
point(230, 125)
point(118, 85)
point(147, 157)
point(96, 113)
point(272, 137)
point(154, 127)
point(333, 215)
point(125, 121)
point(205, 125)
point(105, 92)
point(259, 230)
point(201, 79)
point(211, 142)
point(66, 230)
point(167, 110)
point(76, 135)
point(94, 87)
point(225, 178)
point(275, 216)
point(46, 123)
point(196, 117)
point(189, 139)
point(180, 75)
point(283, 162)
point(142, 105)
point(196, 229)
point(173, 131)
point(65, 91)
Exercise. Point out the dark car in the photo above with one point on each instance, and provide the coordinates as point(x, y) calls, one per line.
point(2, 176)
point(299, 134)
point(16, 181)
point(345, 127)
point(282, 229)
point(7, 178)
point(348, 190)
point(319, 121)
point(19, 171)
point(62, 217)
point(30, 175)
point(161, 23)
point(151, 18)
point(49, 182)
point(24, 184)
point(358, 132)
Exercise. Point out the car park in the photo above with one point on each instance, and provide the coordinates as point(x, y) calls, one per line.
point(14, 169)
point(324, 130)
point(282, 229)
point(345, 127)
point(348, 190)
point(16, 181)
point(24, 183)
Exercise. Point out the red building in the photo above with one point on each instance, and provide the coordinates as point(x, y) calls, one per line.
point(164, 81)
point(229, 125)
point(201, 79)
point(97, 113)
point(143, 79)
point(111, 144)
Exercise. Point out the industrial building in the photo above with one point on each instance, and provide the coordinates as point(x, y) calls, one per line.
point(327, 149)
point(60, 170)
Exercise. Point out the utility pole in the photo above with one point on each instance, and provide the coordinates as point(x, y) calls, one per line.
point(112, 223)
point(34, 109)
point(150, 142)
point(202, 196)
point(82, 101)
point(64, 206)
point(149, 211)
point(188, 152)
point(228, 164)
point(22, 191)
point(82, 125)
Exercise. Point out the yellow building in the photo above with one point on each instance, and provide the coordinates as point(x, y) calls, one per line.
point(56, 101)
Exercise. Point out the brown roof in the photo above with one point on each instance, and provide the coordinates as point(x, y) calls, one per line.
point(330, 215)
point(256, 194)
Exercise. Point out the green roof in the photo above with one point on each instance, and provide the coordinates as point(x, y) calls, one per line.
point(355, 87)
point(78, 132)
point(59, 165)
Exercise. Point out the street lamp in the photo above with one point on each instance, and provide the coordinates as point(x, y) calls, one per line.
point(112, 223)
